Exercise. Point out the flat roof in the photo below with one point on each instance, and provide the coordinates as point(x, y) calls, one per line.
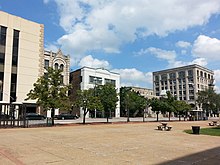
point(185, 67)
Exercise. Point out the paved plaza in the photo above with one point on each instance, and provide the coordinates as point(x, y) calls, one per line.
point(108, 144)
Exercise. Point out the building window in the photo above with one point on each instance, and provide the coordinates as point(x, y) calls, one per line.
point(156, 78)
point(95, 80)
point(56, 66)
point(172, 75)
point(201, 73)
point(15, 48)
point(164, 77)
point(190, 73)
point(46, 64)
point(61, 67)
point(181, 74)
point(109, 81)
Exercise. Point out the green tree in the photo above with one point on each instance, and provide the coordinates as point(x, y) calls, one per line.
point(156, 106)
point(86, 100)
point(169, 106)
point(131, 102)
point(209, 101)
point(108, 97)
point(49, 91)
point(181, 107)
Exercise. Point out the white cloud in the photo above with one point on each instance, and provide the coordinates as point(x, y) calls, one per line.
point(89, 61)
point(217, 80)
point(162, 54)
point(199, 61)
point(51, 47)
point(206, 47)
point(183, 44)
point(46, 1)
point(134, 77)
point(107, 25)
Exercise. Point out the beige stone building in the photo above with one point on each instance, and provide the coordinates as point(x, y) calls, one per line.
point(58, 61)
point(147, 93)
point(23, 59)
point(21, 56)
point(183, 82)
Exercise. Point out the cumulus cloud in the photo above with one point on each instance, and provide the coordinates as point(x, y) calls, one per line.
point(217, 80)
point(51, 47)
point(206, 47)
point(107, 25)
point(134, 77)
point(46, 1)
point(89, 61)
point(183, 44)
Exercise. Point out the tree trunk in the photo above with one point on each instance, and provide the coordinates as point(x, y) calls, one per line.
point(169, 115)
point(52, 115)
point(157, 116)
point(84, 116)
point(128, 115)
point(179, 118)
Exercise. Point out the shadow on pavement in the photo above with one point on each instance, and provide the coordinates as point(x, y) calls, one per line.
point(211, 157)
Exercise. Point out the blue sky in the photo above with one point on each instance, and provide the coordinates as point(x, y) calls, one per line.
point(133, 38)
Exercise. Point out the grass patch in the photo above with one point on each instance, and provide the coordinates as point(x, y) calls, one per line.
point(213, 131)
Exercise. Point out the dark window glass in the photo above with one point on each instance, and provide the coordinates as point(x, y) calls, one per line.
point(2, 58)
point(46, 64)
point(109, 81)
point(56, 66)
point(15, 48)
point(61, 67)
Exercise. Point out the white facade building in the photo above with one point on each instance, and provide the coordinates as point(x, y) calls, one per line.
point(85, 78)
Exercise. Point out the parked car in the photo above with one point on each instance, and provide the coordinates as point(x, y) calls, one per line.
point(6, 116)
point(64, 116)
point(35, 116)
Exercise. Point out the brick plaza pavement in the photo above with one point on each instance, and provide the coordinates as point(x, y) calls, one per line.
point(108, 144)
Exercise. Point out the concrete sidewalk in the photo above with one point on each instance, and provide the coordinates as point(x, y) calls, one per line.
point(108, 144)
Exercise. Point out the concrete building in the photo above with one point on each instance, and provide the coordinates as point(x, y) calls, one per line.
point(21, 56)
point(183, 82)
point(85, 78)
point(23, 59)
point(147, 93)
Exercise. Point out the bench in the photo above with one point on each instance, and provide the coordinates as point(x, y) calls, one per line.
point(169, 128)
point(211, 124)
point(160, 127)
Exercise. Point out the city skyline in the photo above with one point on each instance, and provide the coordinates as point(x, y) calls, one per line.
point(131, 38)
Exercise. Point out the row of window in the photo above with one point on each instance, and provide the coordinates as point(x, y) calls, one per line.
point(56, 65)
point(182, 74)
point(98, 80)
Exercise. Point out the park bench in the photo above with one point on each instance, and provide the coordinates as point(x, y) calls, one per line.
point(164, 126)
point(213, 123)
point(169, 128)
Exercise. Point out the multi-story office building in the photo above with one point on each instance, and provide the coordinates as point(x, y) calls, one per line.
point(23, 59)
point(85, 78)
point(21, 56)
point(183, 82)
